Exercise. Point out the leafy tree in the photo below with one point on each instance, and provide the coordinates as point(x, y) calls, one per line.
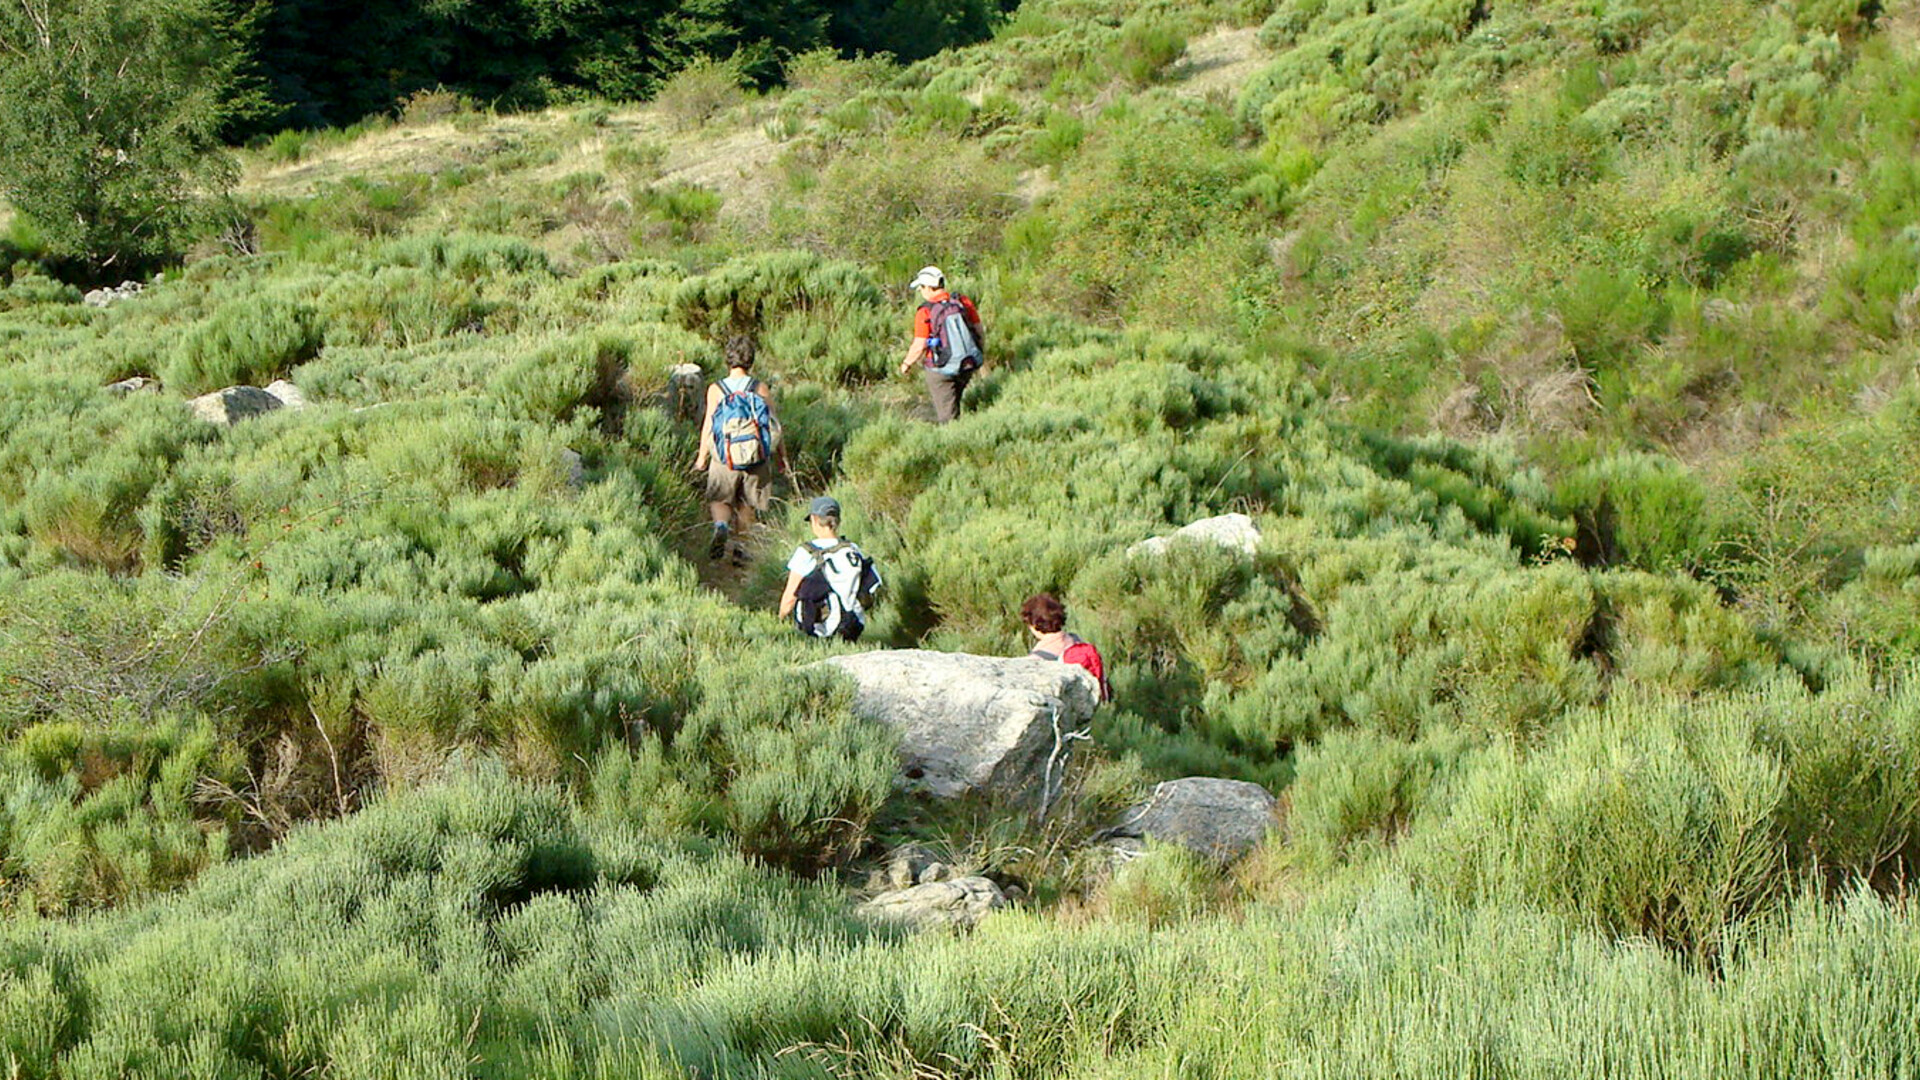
point(109, 113)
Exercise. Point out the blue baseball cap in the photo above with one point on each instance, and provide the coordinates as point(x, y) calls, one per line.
point(824, 506)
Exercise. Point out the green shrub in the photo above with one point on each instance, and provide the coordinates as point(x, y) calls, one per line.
point(1146, 48)
point(701, 91)
point(1645, 511)
point(801, 776)
point(1352, 790)
point(251, 342)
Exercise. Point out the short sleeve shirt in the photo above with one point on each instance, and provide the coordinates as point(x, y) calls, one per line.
point(923, 318)
point(842, 570)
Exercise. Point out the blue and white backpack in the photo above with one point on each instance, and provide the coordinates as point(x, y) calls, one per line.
point(742, 427)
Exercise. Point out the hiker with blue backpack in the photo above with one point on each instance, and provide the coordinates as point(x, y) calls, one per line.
point(948, 342)
point(738, 438)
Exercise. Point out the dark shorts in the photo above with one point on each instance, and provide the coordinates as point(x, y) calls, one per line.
point(740, 487)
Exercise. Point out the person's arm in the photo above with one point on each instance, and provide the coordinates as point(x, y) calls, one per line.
point(778, 435)
point(914, 352)
point(704, 437)
point(922, 330)
point(792, 595)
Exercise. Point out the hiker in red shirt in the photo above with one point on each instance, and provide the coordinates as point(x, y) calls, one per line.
point(948, 342)
point(1046, 619)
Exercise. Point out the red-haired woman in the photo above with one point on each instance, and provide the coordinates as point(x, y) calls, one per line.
point(1046, 619)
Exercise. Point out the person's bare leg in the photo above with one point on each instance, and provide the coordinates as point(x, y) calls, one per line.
point(743, 521)
point(721, 512)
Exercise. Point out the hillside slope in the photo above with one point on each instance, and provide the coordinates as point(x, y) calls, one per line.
point(1561, 353)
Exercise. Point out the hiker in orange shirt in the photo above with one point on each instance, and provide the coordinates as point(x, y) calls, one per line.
point(948, 342)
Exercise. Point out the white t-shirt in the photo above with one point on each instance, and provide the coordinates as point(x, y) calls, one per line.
point(843, 569)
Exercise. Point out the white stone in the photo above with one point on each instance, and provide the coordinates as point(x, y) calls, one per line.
point(1235, 532)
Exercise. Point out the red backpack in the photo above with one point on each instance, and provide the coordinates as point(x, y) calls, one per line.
point(1084, 654)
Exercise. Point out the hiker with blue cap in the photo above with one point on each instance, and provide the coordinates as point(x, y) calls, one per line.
point(949, 343)
point(830, 581)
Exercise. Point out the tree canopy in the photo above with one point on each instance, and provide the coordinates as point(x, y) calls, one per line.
point(110, 112)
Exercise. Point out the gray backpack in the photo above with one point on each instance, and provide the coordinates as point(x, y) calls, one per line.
point(952, 348)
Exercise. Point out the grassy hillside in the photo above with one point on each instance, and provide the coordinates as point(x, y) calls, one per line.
point(1562, 354)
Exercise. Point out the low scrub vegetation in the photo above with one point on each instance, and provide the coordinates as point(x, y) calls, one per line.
point(1560, 355)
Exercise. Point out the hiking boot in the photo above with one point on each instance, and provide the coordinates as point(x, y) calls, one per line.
point(718, 547)
point(739, 554)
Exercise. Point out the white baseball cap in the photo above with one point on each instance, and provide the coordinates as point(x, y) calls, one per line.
point(930, 276)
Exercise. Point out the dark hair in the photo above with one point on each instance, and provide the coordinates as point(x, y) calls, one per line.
point(739, 350)
point(1044, 613)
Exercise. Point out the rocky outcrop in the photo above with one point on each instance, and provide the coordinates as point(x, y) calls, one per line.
point(139, 384)
point(1221, 819)
point(290, 396)
point(234, 404)
point(108, 297)
point(959, 903)
point(1235, 532)
point(968, 724)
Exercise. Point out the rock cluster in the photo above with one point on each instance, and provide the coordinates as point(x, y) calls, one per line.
point(108, 297)
point(958, 903)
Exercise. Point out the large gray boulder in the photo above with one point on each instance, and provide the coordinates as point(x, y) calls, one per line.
point(988, 724)
point(1221, 819)
point(234, 404)
point(958, 902)
point(1235, 532)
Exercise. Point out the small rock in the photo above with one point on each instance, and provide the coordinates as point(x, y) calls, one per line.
point(289, 394)
point(685, 396)
point(903, 865)
point(136, 385)
point(575, 466)
point(959, 903)
point(1221, 819)
point(935, 872)
point(1235, 532)
point(234, 404)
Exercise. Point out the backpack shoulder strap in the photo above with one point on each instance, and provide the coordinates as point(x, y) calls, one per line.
point(820, 553)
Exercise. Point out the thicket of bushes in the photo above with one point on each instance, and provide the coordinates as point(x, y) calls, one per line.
point(488, 927)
